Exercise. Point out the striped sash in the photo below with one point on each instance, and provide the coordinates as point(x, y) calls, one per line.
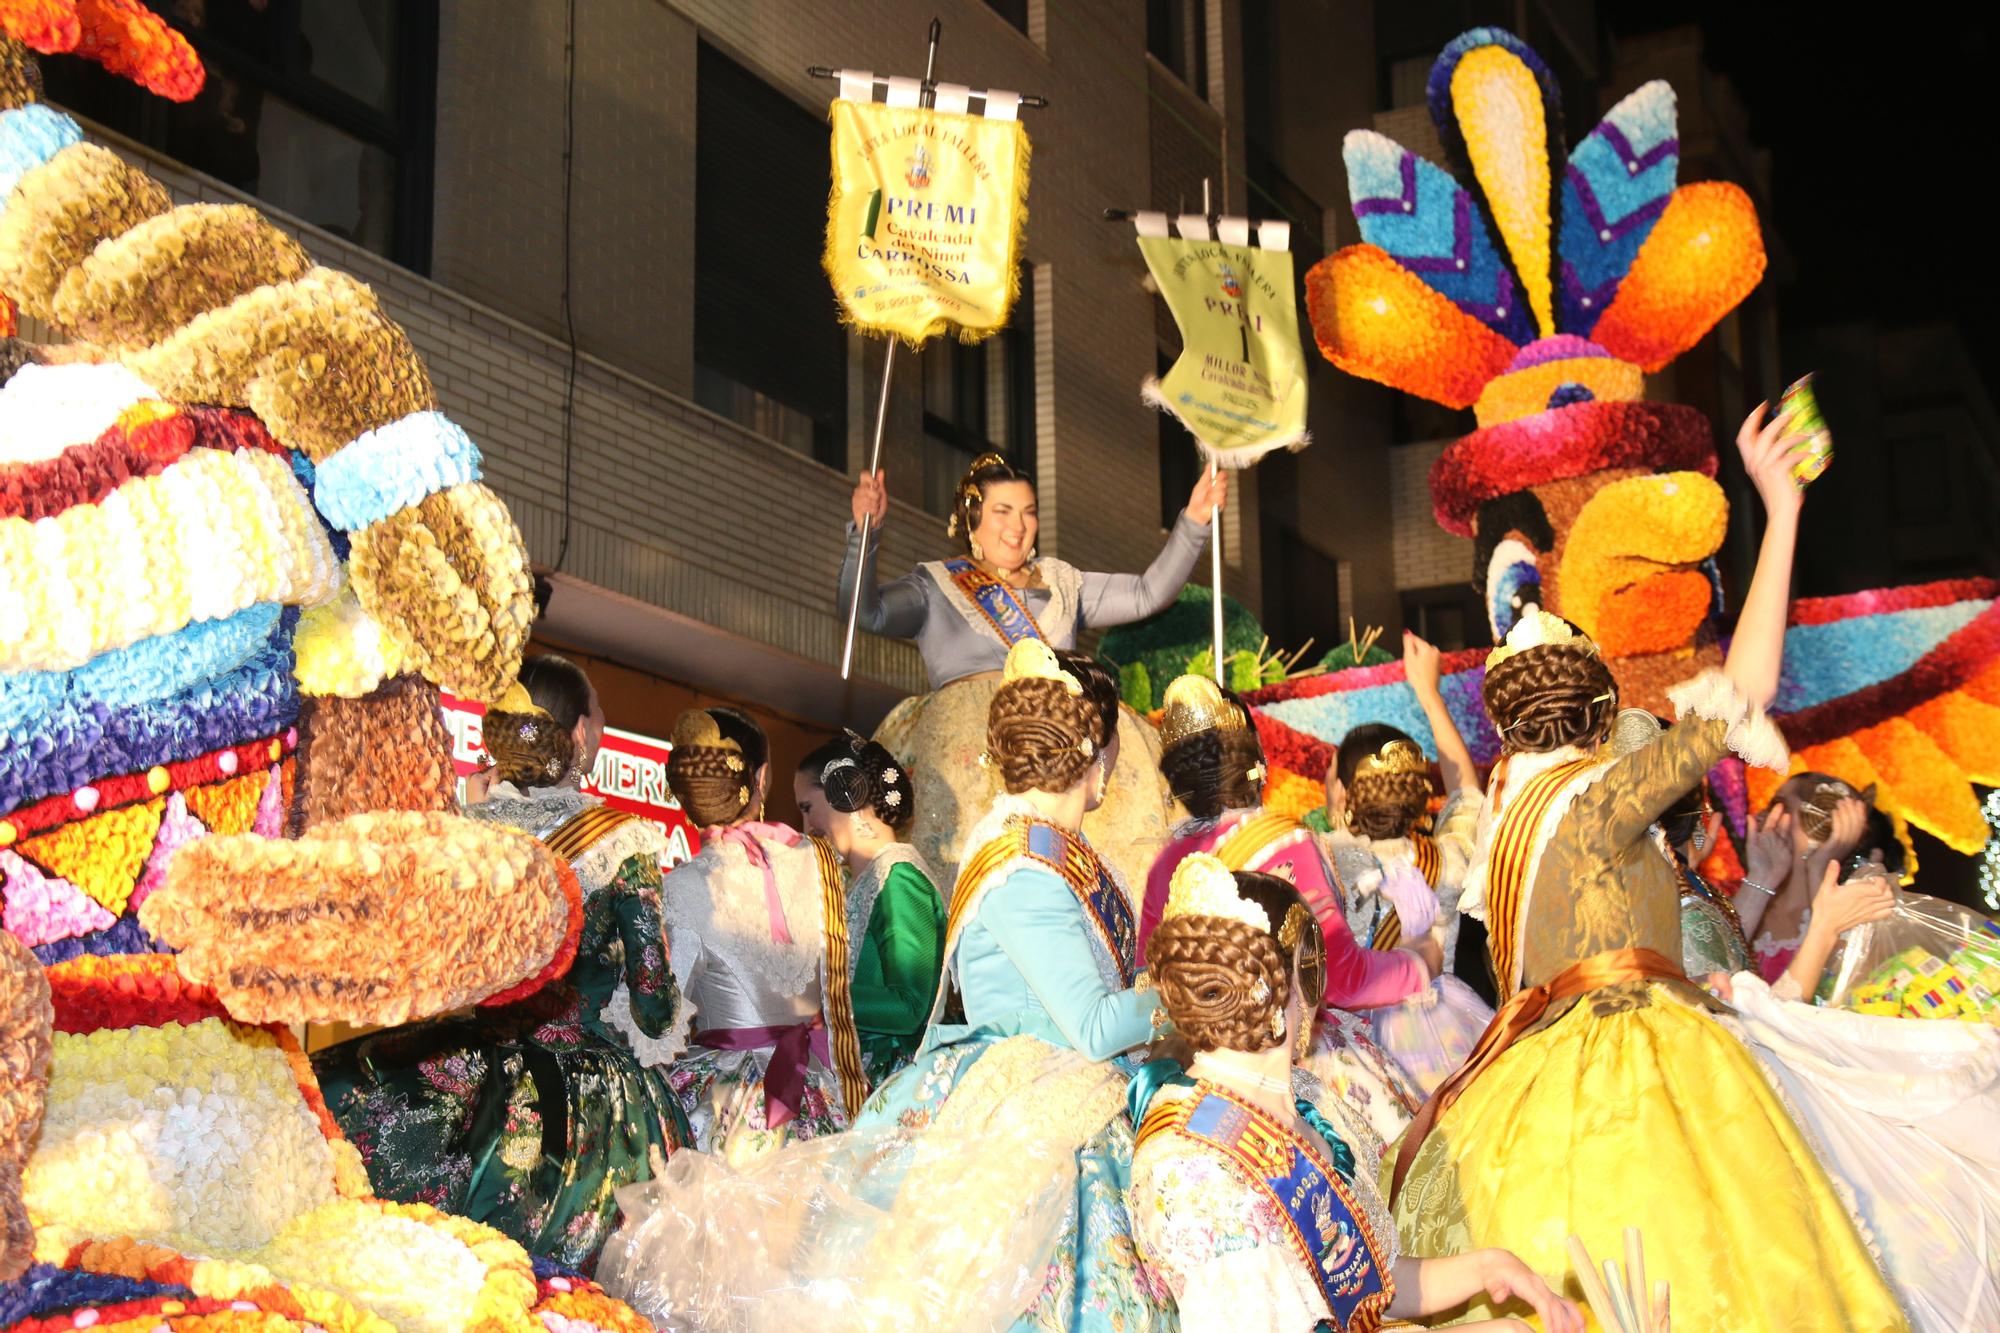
point(1429, 861)
point(1240, 846)
point(1006, 612)
point(574, 835)
point(842, 1038)
point(1103, 902)
point(1514, 844)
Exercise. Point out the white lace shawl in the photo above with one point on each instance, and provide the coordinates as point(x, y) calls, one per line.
point(718, 898)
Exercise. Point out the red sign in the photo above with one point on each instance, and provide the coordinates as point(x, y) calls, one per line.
point(630, 774)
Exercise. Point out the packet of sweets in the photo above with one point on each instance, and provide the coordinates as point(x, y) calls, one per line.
point(1811, 456)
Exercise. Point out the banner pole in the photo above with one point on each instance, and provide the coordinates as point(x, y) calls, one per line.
point(1215, 573)
point(1214, 511)
point(927, 98)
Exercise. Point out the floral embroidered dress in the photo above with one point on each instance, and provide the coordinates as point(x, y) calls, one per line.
point(988, 1175)
point(1622, 1101)
point(1430, 1033)
point(894, 909)
point(1224, 1246)
point(747, 918)
point(1345, 1053)
point(529, 1117)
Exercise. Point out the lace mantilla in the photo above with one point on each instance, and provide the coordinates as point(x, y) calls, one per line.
point(1521, 770)
point(1057, 621)
point(719, 897)
point(653, 1052)
point(540, 811)
point(866, 887)
point(1752, 734)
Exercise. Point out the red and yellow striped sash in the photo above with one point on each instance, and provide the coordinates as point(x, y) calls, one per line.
point(1424, 852)
point(842, 1039)
point(1514, 844)
point(1240, 846)
point(574, 835)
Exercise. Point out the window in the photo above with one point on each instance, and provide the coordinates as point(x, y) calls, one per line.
point(769, 353)
point(1301, 593)
point(1180, 460)
point(1014, 11)
point(325, 109)
point(1449, 616)
point(1177, 36)
point(979, 398)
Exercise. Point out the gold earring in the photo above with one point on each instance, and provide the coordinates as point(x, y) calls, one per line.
point(1032, 553)
point(1303, 1046)
point(978, 551)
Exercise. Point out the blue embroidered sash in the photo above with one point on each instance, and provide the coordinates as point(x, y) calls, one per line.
point(1104, 903)
point(1004, 611)
point(1328, 1229)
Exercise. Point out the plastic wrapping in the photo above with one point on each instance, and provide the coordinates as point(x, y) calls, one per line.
point(906, 1221)
point(1430, 1034)
point(1928, 958)
point(1908, 1119)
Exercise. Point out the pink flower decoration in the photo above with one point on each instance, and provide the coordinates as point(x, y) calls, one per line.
point(270, 820)
point(177, 829)
point(42, 909)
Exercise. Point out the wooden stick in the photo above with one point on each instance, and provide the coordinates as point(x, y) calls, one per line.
point(1635, 1274)
point(1594, 1293)
point(1621, 1300)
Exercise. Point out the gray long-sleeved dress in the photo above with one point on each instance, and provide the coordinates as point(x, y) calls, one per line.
point(956, 639)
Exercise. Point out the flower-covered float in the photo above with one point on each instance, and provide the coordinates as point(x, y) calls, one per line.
point(1538, 287)
point(240, 551)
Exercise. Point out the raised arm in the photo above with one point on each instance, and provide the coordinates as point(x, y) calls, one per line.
point(1039, 926)
point(1423, 669)
point(1119, 599)
point(1757, 649)
point(895, 610)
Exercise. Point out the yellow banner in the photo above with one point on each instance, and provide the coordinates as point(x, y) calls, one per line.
point(1240, 383)
point(923, 232)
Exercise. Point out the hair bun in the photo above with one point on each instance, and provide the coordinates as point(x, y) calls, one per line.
point(846, 785)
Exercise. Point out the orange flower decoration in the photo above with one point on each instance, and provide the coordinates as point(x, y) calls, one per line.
point(1374, 318)
point(1705, 255)
point(124, 36)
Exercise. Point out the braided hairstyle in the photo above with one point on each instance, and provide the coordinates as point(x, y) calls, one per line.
point(1039, 736)
point(1100, 686)
point(969, 506)
point(1225, 983)
point(1549, 696)
point(1217, 769)
point(713, 767)
point(1380, 805)
point(856, 774)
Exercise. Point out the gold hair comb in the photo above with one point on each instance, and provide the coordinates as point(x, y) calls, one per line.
point(1397, 756)
point(1195, 704)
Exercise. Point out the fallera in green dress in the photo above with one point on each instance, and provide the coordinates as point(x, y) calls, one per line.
point(528, 1117)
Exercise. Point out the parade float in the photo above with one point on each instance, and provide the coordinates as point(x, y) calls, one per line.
point(1539, 285)
point(240, 553)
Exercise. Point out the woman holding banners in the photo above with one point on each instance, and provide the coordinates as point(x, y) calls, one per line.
point(966, 612)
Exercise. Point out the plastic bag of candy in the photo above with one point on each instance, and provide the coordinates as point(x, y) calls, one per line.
point(1928, 958)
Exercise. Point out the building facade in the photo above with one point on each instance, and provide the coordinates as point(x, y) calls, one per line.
point(601, 224)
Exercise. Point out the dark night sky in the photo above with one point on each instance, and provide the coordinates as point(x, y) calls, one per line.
point(1881, 123)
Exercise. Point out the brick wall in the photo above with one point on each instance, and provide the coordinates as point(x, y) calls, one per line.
point(684, 511)
point(1426, 555)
